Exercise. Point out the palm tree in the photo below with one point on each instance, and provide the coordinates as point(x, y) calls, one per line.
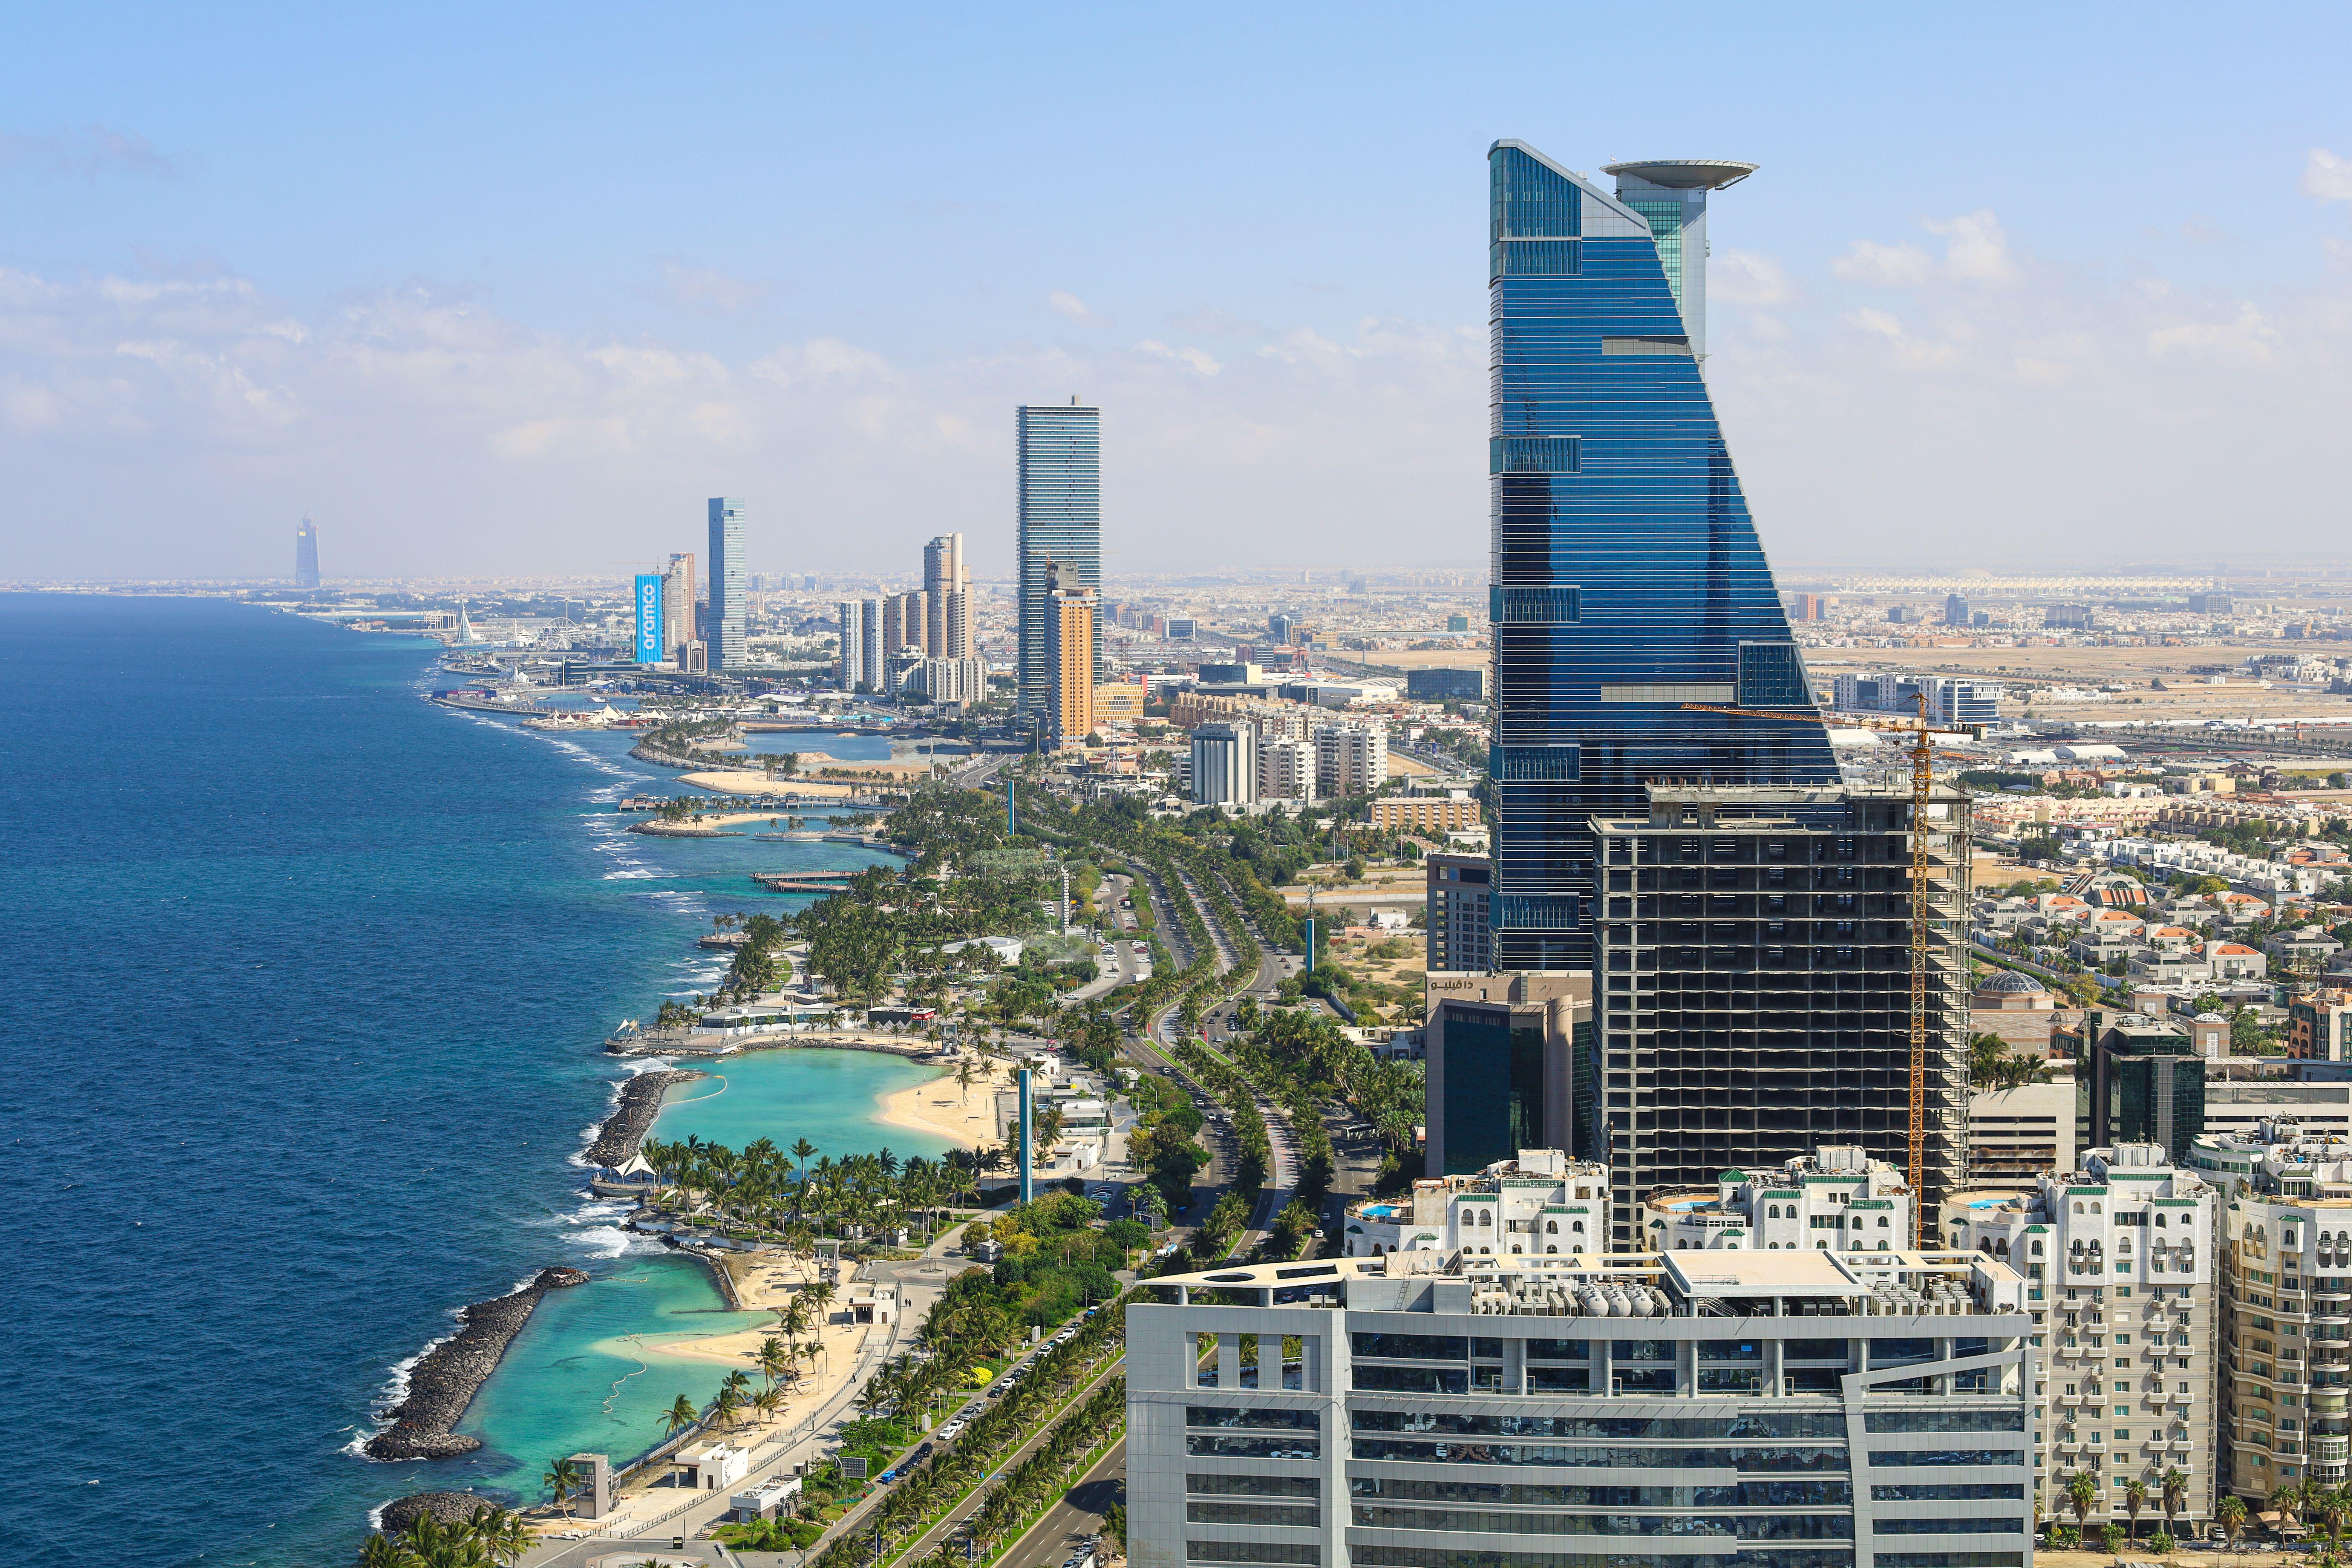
point(509, 1539)
point(2331, 1505)
point(727, 1406)
point(2081, 1493)
point(2286, 1500)
point(2230, 1513)
point(2175, 1495)
point(380, 1551)
point(768, 1402)
point(774, 1360)
point(2135, 1500)
point(563, 1479)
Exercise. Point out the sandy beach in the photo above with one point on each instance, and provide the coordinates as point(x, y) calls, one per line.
point(937, 1106)
point(745, 781)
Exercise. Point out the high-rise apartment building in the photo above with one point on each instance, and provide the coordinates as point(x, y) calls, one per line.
point(2285, 1256)
point(874, 658)
point(955, 679)
point(1350, 760)
point(946, 586)
point(306, 556)
point(1459, 935)
point(1956, 609)
point(728, 576)
point(1225, 765)
point(1753, 978)
point(678, 606)
point(849, 662)
point(1627, 580)
point(1286, 766)
point(1060, 525)
point(2119, 1266)
point(1537, 1410)
point(1072, 635)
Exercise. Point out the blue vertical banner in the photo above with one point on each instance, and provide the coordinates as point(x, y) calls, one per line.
point(649, 617)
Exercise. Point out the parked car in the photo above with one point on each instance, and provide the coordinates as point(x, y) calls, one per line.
point(953, 1430)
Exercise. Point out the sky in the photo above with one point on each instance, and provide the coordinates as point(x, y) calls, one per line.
point(513, 289)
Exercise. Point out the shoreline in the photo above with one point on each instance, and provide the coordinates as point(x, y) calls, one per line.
point(968, 1121)
point(727, 1046)
point(446, 1378)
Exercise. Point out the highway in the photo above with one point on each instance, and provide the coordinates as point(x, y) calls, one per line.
point(1049, 1542)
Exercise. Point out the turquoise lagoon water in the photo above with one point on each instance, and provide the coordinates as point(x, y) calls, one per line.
point(309, 979)
point(786, 1095)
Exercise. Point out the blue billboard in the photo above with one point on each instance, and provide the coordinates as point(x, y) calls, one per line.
point(649, 618)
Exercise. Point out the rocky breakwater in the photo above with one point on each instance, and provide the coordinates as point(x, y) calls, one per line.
point(625, 1130)
point(446, 1377)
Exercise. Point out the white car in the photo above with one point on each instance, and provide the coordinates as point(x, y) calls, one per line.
point(948, 1433)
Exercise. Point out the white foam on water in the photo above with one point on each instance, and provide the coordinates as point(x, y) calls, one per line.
point(630, 875)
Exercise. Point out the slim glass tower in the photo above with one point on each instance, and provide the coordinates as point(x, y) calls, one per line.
point(1626, 579)
point(727, 577)
point(1060, 524)
point(306, 556)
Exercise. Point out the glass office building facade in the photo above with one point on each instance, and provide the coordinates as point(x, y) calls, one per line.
point(1626, 579)
point(1060, 525)
point(727, 578)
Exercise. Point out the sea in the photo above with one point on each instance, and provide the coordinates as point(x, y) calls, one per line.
point(308, 979)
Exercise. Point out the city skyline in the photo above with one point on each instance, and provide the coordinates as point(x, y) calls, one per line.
point(484, 365)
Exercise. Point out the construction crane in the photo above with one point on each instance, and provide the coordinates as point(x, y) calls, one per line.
point(1923, 782)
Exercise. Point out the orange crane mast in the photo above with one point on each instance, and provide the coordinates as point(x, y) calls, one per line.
point(1922, 781)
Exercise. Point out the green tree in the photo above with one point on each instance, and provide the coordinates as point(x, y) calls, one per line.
point(563, 1479)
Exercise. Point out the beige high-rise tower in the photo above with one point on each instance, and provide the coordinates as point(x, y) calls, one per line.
point(947, 627)
point(678, 606)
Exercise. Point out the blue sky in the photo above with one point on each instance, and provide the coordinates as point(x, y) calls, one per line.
point(507, 289)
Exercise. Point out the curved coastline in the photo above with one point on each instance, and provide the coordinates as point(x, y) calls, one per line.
point(447, 1376)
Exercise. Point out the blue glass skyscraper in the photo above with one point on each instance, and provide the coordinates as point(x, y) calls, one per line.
point(1060, 524)
point(1627, 576)
point(727, 575)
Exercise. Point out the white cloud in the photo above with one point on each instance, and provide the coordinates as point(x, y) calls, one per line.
point(2248, 338)
point(1194, 357)
point(1867, 261)
point(1076, 309)
point(1747, 277)
point(428, 433)
point(1975, 248)
point(2327, 177)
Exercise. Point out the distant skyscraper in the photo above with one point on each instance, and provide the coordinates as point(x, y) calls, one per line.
point(726, 583)
point(306, 556)
point(849, 663)
point(875, 659)
point(678, 606)
point(947, 584)
point(1060, 524)
point(1956, 609)
point(1627, 576)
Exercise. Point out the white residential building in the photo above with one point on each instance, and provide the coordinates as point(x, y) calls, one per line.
point(1542, 1203)
point(1350, 760)
point(2120, 1270)
point(1833, 1200)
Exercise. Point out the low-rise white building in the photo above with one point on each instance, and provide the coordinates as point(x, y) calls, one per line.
point(1834, 1200)
point(1543, 1202)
